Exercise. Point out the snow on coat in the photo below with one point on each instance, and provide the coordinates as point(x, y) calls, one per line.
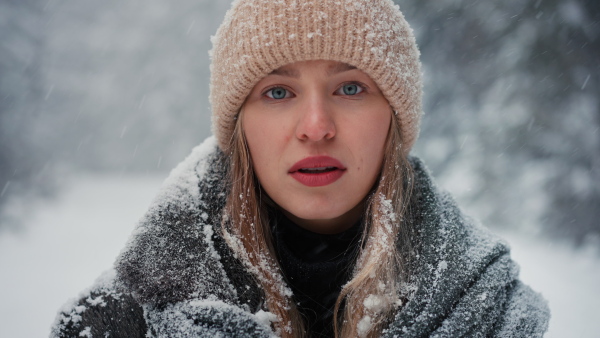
point(178, 278)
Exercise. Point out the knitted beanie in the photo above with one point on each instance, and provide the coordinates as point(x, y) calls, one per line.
point(259, 36)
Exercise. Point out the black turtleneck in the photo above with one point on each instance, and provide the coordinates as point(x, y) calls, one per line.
point(316, 266)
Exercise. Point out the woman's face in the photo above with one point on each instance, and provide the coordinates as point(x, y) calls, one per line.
point(316, 131)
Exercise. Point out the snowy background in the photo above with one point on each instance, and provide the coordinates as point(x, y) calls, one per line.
point(99, 99)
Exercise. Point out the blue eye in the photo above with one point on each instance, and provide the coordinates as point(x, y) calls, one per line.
point(277, 93)
point(350, 89)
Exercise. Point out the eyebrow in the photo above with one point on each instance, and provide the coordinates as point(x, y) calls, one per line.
point(338, 68)
point(286, 72)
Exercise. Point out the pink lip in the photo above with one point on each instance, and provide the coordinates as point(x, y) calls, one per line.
point(317, 179)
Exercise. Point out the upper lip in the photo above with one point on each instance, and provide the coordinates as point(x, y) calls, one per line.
point(317, 162)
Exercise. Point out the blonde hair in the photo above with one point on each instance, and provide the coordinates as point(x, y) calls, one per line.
point(371, 296)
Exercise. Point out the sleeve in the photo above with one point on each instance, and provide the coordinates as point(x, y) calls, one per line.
point(101, 313)
point(205, 318)
point(109, 314)
point(527, 314)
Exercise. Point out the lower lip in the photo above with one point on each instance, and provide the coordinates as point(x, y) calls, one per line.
point(318, 180)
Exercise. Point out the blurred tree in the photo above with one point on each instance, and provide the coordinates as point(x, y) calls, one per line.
point(511, 121)
point(512, 108)
point(130, 80)
point(23, 159)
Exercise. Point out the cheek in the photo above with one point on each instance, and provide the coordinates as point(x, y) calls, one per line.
point(265, 139)
point(265, 130)
point(257, 141)
point(375, 133)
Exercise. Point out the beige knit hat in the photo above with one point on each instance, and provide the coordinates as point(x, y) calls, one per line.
point(259, 36)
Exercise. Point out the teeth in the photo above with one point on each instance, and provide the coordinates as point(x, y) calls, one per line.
point(316, 170)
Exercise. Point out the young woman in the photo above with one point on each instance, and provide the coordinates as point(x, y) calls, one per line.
point(305, 216)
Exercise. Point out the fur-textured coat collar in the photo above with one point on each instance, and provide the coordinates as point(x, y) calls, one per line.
point(463, 281)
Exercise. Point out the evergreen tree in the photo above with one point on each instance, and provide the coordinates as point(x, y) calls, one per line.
point(512, 112)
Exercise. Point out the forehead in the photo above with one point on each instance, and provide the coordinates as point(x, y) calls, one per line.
point(294, 69)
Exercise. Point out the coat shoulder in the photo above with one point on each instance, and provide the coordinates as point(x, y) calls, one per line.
point(172, 253)
point(463, 281)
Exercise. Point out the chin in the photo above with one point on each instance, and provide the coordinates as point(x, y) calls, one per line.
point(317, 214)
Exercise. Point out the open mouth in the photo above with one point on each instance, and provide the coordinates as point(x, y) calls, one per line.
point(317, 171)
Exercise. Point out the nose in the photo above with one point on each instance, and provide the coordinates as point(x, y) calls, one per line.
point(316, 120)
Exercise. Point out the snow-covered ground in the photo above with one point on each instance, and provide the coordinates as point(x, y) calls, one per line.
point(73, 238)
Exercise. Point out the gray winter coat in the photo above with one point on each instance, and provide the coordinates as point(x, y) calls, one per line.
point(177, 278)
